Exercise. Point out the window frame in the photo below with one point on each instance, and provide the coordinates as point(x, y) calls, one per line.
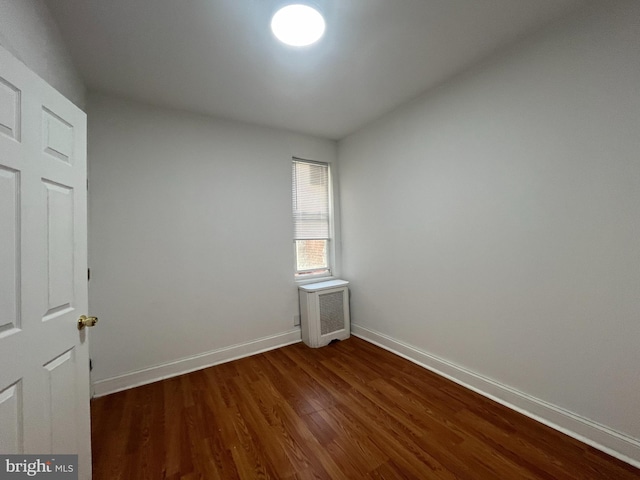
point(314, 275)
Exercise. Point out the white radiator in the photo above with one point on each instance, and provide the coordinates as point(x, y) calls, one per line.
point(324, 312)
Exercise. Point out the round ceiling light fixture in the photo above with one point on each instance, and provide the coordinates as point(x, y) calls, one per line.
point(298, 25)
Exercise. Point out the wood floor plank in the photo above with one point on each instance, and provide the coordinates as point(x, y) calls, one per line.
point(346, 411)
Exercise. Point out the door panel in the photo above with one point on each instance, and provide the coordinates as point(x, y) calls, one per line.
point(60, 379)
point(59, 249)
point(9, 110)
point(44, 373)
point(57, 136)
point(11, 419)
point(10, 251)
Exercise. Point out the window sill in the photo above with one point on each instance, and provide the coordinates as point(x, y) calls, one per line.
point(314, 279)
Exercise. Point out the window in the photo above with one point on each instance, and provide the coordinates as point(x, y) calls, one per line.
point(311, 218)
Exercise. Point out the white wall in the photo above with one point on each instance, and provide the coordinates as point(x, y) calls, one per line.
point(28, 31)
point(190, 236)
point(494, 223)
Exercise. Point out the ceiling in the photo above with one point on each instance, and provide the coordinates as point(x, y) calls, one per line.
point(218, 57)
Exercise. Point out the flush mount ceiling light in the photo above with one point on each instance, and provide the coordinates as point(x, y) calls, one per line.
point(298, 25)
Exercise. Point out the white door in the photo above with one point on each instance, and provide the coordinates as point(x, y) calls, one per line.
point(44, 361)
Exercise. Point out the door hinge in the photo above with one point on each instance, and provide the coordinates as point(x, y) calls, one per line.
point(90, 364)
point(88, 274)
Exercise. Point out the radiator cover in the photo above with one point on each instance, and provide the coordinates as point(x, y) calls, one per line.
point(324, 312)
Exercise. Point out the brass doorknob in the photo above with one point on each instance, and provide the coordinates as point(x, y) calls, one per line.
point(85, 321)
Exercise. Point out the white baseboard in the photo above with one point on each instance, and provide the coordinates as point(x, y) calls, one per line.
point(193, 363)
point(603, 438)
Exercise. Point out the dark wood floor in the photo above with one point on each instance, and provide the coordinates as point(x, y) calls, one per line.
point(349, 410)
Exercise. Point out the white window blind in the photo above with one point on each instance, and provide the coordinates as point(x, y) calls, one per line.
point(311, 216)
